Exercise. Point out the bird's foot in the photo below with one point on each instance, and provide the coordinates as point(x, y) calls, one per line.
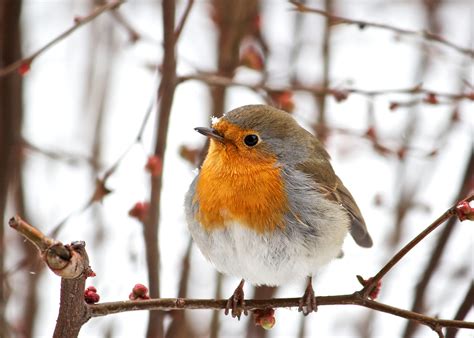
point(236, 302)
point(307, 303)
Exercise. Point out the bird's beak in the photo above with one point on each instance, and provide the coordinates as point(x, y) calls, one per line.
point(210, 132)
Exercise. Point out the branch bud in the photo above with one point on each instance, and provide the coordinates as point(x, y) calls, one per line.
point(465, 211)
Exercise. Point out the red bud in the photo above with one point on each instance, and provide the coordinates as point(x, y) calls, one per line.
point(401, 153)
point(91, 288)
point(91, 296)
point(267, 322)
point(264, 318)
point(283, 100)
point(393, 106)
point(154, 165)
point(340, 95)
point(139, 210)
point(374, 293)
point(24, 68)
point(139, 291)
point(371, 134)
point(465, 211)
point(251, 58)
point(78, 19)
point(431, 98)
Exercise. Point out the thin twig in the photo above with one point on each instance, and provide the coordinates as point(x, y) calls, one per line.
point(184, 18)
point(403, 251)
point(177, 34)
point(64, 260)
point(79, 23)
point(363, 24)
point(326, 68)
point(436, 254)
point(217, 80)
point(31, 233)
point(133, 34)
point(463, 310)
point(72, 159)
point(146, 117)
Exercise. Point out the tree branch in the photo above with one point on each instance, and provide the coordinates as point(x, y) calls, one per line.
point(436, 254)
point(326, 68)
point(167, 304)
point(68, 158)
point(338, 93)
point(79, 23)
point(152, 222)
point(73, 312)
point(359, 298)
point(363, 24)
point(11, 167)
point(371, 284)
point(72, 264)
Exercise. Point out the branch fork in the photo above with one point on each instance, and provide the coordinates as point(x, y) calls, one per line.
point(68, 261)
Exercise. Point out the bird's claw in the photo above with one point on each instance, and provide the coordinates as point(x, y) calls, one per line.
point(236, 303)
point(307, 303)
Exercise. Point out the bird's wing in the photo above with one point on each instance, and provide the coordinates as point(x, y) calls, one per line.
point(320, 170)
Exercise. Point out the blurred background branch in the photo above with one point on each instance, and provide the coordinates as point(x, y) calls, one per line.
point(339, 20)
point(23, 65)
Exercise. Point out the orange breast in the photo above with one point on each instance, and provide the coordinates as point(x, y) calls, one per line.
point(238, 188)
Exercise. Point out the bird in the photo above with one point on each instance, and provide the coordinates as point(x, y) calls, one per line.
point(266, 205)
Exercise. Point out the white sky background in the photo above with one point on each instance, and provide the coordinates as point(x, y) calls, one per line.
point(57, 119)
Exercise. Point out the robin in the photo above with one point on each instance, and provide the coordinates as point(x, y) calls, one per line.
point(266, 205)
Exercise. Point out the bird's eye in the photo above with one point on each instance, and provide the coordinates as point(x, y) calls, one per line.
point(251, 140)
